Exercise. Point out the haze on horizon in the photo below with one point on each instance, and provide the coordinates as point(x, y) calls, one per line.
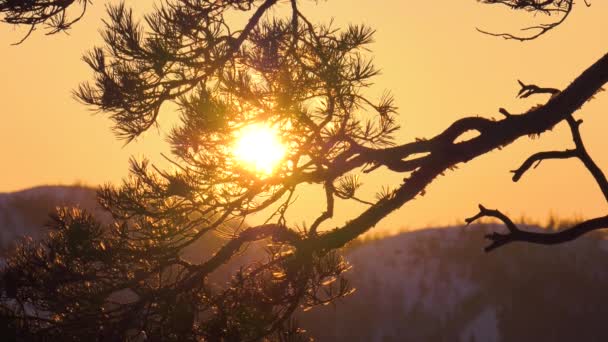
point(433, 60)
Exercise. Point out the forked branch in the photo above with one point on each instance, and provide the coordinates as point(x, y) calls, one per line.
point(532, 89)
point(514, 233)
point(444, 154)
point(579, 152)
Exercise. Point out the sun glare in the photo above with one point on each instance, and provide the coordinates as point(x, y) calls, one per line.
point(259, 148)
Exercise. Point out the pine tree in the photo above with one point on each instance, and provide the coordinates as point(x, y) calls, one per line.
point(128, 279)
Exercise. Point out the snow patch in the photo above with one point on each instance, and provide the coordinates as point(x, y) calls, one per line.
point(484, 327)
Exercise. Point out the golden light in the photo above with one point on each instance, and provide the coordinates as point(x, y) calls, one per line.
point(259, 148)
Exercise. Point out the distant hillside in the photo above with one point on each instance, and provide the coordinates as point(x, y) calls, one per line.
point(25, 212)
point(438, 285)
point(425, 285)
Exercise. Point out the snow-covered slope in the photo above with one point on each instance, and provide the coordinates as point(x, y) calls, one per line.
point(439, 285)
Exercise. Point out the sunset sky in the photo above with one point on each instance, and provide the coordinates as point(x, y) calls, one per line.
point(432, 59)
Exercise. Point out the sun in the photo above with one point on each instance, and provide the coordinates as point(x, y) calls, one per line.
point(259, 148)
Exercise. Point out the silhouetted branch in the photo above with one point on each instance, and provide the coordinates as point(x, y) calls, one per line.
point(532, 89)
point(536, 159)
point(444, 154)
point(329, 211)
point(584, 156)
point(516, 234)
point(276, 232)
point(32, 13)
point(561, 8)
point(579, 152)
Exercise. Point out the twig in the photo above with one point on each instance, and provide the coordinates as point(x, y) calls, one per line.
point(516, 234)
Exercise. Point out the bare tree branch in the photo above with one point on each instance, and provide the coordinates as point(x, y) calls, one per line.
point(536, 158)
point(516, 234)
point(584, 156)
point(533, 89)
point(445, 154)
point(559, 8)
point(579, 152)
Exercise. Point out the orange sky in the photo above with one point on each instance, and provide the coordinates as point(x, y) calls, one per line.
point(438, 67)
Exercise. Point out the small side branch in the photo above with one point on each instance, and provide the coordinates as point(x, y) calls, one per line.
point(536, 159)
point(532, 89)
point(579, 152)
point(584, 156)
point(329, 212)
point(225, 253)
point(516, 234)
point(526, 91)
point(485, 212)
